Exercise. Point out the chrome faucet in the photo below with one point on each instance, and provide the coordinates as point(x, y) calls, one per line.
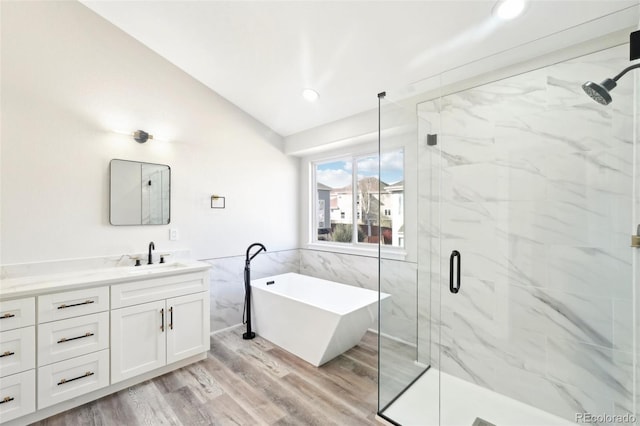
point(151, 247)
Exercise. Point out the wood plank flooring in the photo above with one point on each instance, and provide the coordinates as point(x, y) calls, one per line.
point(245, 383)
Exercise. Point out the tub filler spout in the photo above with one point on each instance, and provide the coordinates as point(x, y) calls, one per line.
point(246, 316)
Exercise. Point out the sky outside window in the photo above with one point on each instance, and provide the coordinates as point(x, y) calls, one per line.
point(337, 174)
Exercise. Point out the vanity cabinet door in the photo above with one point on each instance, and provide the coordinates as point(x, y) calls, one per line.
point(188, 326)
point(138, 340)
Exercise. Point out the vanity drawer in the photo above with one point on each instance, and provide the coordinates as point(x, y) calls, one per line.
point(17, 313)
point(17, 395)
point(73, 377)
point(150, 290)
point(56, 306)
point(17, 350)
point(60, 340)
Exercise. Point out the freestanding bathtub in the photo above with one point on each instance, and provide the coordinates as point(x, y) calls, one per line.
point(312, 318)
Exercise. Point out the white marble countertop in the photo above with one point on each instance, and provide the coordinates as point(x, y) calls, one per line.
point(34, 285)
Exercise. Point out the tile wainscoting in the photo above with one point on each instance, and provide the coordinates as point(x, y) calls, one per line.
point(227, 283)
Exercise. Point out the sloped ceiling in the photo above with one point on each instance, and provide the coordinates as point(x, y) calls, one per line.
point(260, 55)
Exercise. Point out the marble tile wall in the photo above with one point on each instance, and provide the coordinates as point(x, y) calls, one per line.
point(535, 191)
point(227, 282)
point(360, 271)
point(398, 279)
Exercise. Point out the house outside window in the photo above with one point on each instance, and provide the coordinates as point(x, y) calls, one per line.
point(374, 209)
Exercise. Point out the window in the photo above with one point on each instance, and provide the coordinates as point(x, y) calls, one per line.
point(374, 210)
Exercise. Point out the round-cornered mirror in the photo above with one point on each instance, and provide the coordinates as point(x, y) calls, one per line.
point(140, 193)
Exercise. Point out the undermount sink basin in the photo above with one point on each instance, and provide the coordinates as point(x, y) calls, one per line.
point(157, 267)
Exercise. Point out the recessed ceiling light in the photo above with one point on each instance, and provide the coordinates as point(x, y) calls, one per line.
point(310, 95)
point(509, 9)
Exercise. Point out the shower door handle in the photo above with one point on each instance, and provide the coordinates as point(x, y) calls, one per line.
point(455, 255)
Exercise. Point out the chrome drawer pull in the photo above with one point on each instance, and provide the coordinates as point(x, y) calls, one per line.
point(87, 374)
point(7, 353)
point(64, 339)
point(7, 316)
point(86, 302)
point(7, 399)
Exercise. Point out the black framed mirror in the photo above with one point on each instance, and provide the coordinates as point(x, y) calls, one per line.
point(140, 193)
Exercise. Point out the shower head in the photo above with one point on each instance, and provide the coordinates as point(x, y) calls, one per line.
point(600, 92)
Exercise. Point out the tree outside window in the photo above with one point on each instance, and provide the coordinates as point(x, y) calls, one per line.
point(376, 212)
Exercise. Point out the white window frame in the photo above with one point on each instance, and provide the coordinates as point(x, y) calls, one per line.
point(355, 247)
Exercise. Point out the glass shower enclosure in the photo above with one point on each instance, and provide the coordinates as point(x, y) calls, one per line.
point(514, 303)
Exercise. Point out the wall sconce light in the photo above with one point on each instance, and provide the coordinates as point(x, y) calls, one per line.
point(141, 136)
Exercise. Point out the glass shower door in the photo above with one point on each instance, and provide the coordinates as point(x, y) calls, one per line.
point(398, 314)
point(409, 319)
point(537, 285)
point(515, 302)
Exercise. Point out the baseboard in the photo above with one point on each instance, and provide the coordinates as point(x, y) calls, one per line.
point(222, 330)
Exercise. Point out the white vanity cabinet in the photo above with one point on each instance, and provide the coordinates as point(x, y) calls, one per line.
point(17, 358)
point(66, 340)
point(147, 336)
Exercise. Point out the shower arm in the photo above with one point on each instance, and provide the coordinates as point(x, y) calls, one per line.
point(626, 70)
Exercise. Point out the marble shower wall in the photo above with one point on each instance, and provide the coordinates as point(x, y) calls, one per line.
point(227, 282)
point(535, 191)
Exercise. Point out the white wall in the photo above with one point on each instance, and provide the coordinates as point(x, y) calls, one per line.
point(69, 78)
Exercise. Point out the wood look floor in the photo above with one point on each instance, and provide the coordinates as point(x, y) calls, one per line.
point(245, 383)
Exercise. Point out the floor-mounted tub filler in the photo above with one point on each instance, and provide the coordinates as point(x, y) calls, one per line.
point(312, 318)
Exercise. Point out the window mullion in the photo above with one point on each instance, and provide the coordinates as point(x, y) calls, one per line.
point(313, 228)
point(354, 215)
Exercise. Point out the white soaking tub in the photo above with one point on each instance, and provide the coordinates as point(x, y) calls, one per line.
point(312, 318)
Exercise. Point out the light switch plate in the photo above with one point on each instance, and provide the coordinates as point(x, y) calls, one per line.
point(173, 234)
